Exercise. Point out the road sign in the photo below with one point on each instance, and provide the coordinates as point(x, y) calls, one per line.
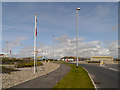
point(101, 62)
point(36, 51)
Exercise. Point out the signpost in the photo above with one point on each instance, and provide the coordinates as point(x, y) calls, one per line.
point(36, 52)
point(101, 63)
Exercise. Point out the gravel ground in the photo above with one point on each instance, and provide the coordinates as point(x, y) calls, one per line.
point(15, 78)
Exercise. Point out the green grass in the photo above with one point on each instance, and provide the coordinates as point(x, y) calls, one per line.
point(76, 78)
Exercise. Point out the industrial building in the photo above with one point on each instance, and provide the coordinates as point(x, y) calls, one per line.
point(99, 58)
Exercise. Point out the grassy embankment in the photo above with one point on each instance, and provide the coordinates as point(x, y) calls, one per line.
point(76, 78)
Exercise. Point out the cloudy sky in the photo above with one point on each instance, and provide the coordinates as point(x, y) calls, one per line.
point(97, 28)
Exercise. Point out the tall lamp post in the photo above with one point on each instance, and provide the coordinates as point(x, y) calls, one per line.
point(77, 35)
point(53, 48)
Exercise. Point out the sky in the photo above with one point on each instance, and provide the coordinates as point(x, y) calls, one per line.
point(97, 28)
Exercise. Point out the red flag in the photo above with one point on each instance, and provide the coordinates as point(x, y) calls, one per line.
point(36, 28)
point(10, 52)
point(36, 32)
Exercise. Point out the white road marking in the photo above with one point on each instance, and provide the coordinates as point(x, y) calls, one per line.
point(91, 79)
point(113, 69)
point(110, 68)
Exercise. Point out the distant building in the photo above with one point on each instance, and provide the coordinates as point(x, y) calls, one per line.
point(99, 58)
point(68, 58)
point(3, 55)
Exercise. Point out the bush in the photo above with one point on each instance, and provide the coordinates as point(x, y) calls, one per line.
point(28, 64)
point(93, 61)
point(8, 70)
point(7, 60)
point(11, 61)
point(117, 59)
point(19, 65)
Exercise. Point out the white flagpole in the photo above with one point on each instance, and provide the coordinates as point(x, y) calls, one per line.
point(35, 44)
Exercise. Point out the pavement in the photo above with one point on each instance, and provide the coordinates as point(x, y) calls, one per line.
point(46, 81)
point(103, 77)
point(12, 66)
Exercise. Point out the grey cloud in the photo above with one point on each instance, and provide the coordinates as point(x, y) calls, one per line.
point(17, 42)
point(102, 10)
point(62, 39)
point(85, 49)
point(12, 44)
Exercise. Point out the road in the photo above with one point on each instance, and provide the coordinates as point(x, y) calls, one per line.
point(103, 77)
point(115, 67)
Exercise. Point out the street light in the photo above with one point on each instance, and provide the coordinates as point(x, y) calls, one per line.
point(77, 35)
point(53, 48)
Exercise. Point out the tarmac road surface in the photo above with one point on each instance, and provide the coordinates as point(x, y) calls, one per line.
point(103, 77)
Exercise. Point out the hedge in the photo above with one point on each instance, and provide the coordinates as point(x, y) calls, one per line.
point(93, 61)
point(28, 64)
point(8, 70)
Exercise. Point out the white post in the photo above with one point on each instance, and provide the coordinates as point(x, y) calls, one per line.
point(35, 44)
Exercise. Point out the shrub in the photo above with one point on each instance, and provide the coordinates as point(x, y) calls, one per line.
point(6, 60)
point(93, 61)
point(117, 59)
point(8, 70)
point(19, 65)
point(39, 64)
point(28, 64)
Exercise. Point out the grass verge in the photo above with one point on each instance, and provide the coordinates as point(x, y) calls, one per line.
point(76, 78)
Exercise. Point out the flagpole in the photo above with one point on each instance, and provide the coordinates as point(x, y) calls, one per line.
point(35, 43)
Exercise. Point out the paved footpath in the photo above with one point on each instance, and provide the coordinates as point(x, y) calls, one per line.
point(46, 81)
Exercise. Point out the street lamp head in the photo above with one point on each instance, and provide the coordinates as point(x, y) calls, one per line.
point(77, 8)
